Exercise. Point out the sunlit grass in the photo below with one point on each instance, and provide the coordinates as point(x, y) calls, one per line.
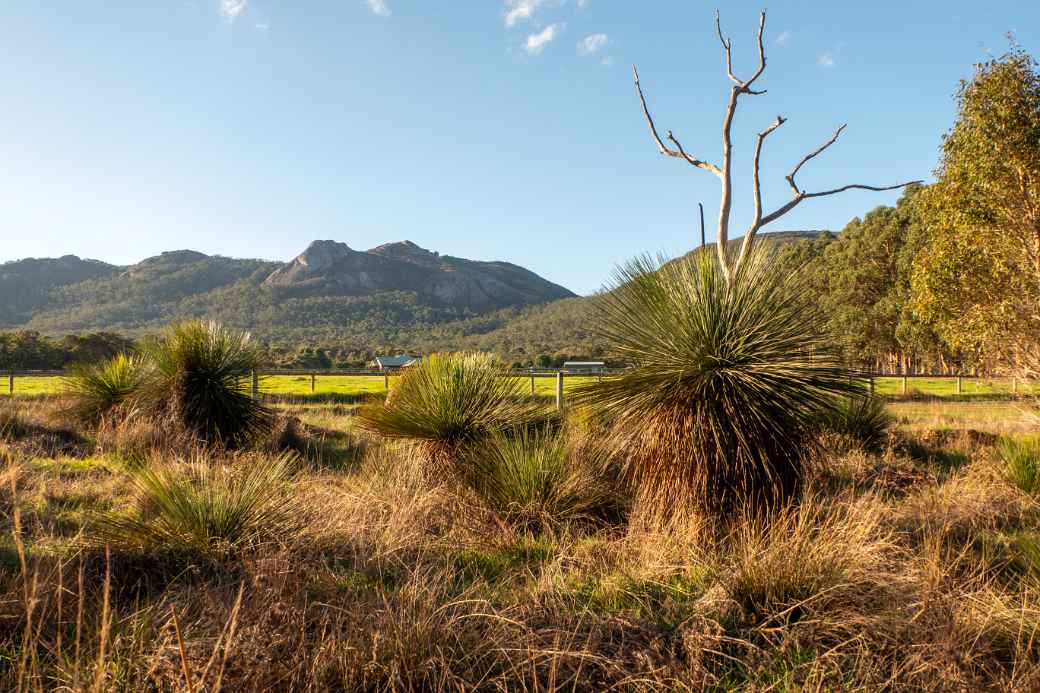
point(543, 386)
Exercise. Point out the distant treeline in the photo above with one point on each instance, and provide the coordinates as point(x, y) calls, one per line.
point(30, 350)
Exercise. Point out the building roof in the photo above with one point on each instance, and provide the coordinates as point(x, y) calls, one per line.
point(587, 364)
point(395, 361)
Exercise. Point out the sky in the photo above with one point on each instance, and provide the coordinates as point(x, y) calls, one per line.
point(486, 129)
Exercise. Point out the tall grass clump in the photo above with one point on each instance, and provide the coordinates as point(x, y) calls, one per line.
point(97, 389)
point(536, 477)
point(862, 418)
point(198, 508)
point(200, 377)
point(448, 402)
point(1021, 458)
point(727, 379)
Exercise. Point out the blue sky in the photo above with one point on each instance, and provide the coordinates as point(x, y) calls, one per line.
point(488, 129)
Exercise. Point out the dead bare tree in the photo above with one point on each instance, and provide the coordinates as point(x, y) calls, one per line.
point(741, 87)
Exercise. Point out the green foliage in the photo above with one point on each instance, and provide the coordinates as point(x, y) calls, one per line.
point(1021, 458)
point(861, 417)
point(978, 282)
point(535, 477)
point(99, 388)
point(448, 402)
point(30, 350)
point(725, 384)
point(200, 376)
point(198, 508)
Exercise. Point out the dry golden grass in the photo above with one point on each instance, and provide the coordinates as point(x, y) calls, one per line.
point(891, 573)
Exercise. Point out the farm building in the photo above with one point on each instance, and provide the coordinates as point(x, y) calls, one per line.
point(585, 366)
point(386, 363)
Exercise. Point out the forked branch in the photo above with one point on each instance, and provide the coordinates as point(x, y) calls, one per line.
point(760, 219)
point(678, 152)
point(800, 194)
point(727, 44)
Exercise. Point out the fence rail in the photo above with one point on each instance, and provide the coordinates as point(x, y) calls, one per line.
point(1014, 386)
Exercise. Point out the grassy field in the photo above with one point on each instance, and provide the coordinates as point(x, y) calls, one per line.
point(354, 385)
point(912, 568)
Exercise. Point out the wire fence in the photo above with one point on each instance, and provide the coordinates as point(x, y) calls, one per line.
point(289, 381)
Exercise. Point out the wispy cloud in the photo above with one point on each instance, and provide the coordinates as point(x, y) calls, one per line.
point(262, 26)
point(592, 43)
point(826, 60)
point(784, 39)
point(582, 4)
point(537, 42)
point(378, 7)
point(230, 9)
point(519, 10)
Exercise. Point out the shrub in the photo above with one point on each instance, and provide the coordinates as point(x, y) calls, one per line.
point(864, 419)
point(726, 380)
point(201, 378)
point(535, 477)
point(202, 509)
point(1021, 458)
point(99, 388)
point(448, 402)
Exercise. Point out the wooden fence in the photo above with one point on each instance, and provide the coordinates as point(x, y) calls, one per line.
point(1016, 387)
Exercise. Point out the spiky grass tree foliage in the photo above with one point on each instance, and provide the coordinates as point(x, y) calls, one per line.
point(863, 418)
point(99, 388)
point(719, 406)
point(197, 508)
point(201, 377)
point(448, 402)
point(536, 477)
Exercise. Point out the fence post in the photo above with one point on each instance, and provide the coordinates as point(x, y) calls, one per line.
point(532, 381)
point(904, 384)
point(958, 384)
point(559, 390)
point(1014, 385)
point(10, 383)
point(254, 387)
point(386, 380)
point(871, 384)
point(312, 383)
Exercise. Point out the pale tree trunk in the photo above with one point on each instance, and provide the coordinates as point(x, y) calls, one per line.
point(724, 172)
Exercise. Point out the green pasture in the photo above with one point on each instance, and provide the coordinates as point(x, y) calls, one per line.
point(350, 385)
point(947, 387)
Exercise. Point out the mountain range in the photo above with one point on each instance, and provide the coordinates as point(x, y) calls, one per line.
point(396, 295)
point(328, 285)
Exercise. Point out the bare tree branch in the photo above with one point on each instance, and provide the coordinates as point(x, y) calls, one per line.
point(859, 186)
point(724, 172)
point(800, 194)
point(678, 153)
point(812, 155)
point(740, 87)
point(780, 120)
point(727, 44)
point(745, 246)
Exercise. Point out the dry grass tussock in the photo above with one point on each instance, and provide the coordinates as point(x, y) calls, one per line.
point(891, 572)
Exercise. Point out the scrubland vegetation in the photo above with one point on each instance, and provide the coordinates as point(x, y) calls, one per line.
point(734, 511)
point(462, 535)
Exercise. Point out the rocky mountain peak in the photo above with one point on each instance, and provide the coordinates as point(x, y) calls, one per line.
point(407, 251)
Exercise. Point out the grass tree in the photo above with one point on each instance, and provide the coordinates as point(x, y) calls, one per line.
point(447, 402)
point(200, 377)
point(97, 389)
point(727, 379)
point(538, 477)
point(730, 362)
point(196, 508)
